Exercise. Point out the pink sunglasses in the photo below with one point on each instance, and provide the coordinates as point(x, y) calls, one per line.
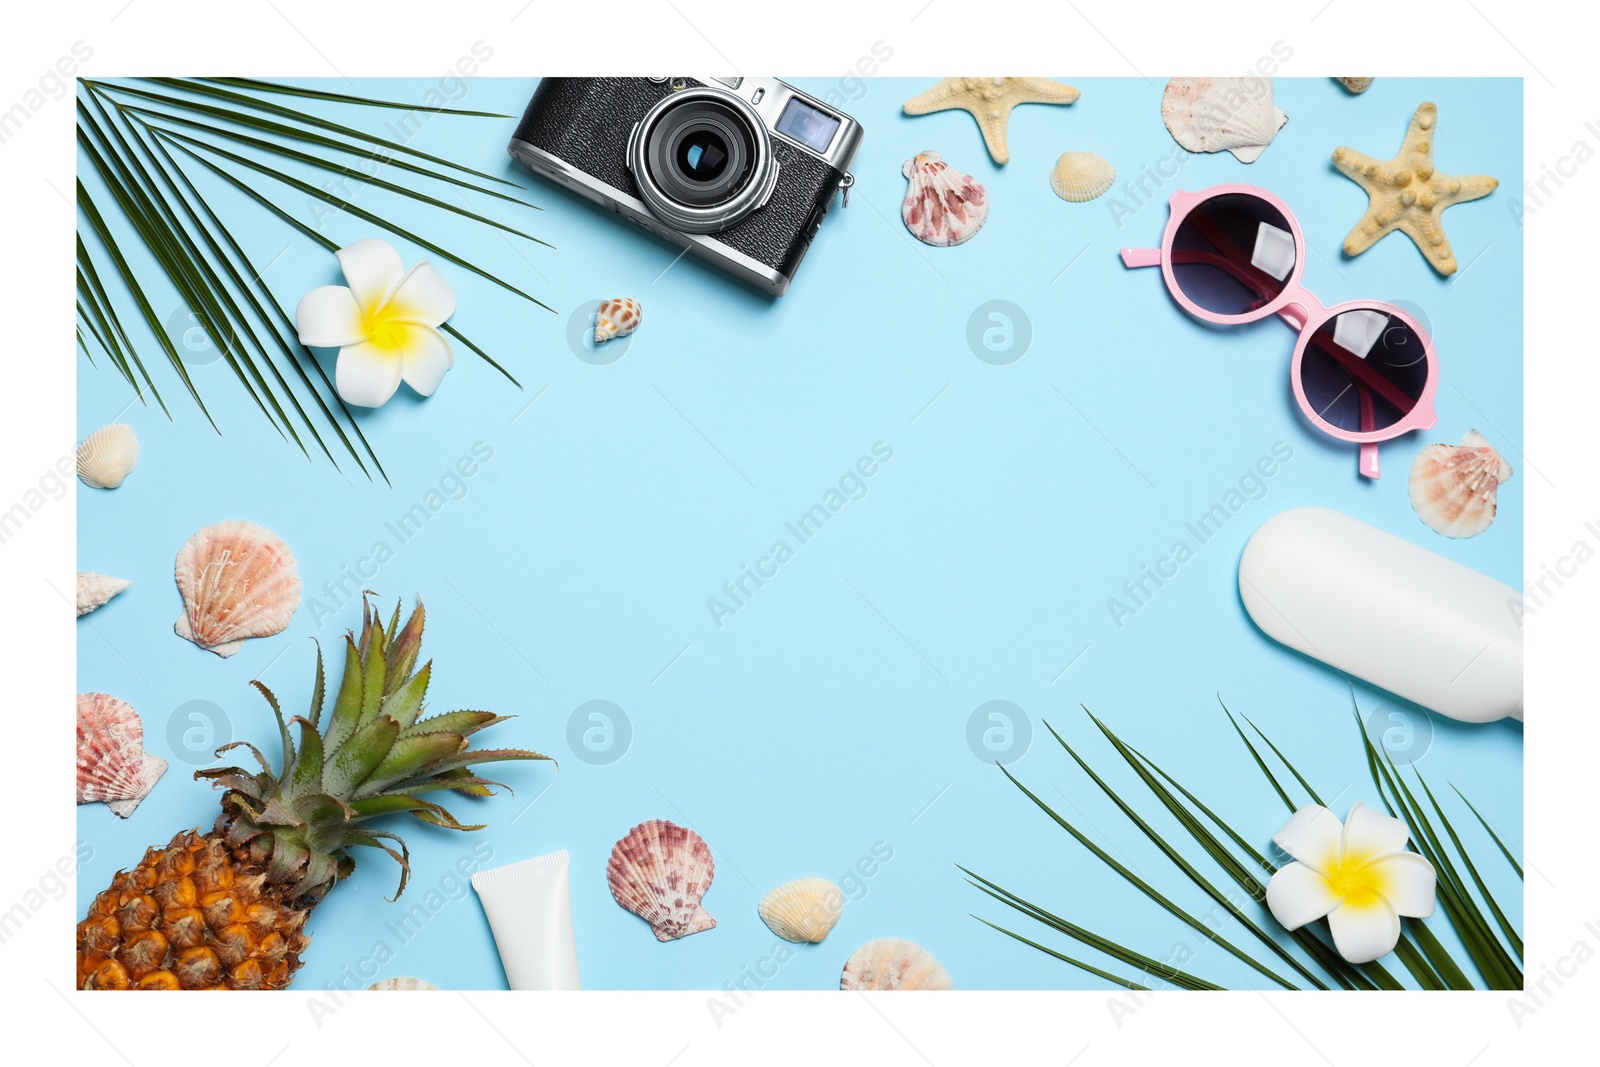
point(1363, 371)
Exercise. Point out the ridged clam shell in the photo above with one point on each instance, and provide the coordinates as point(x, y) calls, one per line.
point(617, 318)
point(943, 207)
point(1081, 176)
point(112, 763)
point(1222, 114)
point(95, 589)
point(894, 963)
point(403, 985)
point(108, 456)
point(659, 871)
point(1453, 487)
point(1355, 85)
point(802, 910)
point(238, 581)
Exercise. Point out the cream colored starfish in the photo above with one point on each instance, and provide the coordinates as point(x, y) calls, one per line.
point(1408, 195)
point(990, 100)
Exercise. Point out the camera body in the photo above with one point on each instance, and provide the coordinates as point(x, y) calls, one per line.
point(738, 171)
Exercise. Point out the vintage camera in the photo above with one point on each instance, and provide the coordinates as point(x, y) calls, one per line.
point(738, 171)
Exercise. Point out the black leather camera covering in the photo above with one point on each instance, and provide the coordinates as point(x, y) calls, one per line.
point(585, 122)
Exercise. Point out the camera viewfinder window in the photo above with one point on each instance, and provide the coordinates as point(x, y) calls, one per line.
point(810, 126)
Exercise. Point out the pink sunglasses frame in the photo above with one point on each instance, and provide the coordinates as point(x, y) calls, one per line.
point(1297, 306)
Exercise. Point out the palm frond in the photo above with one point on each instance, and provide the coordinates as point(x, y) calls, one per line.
point(127, 131)
point(344, 98)
point(1424, 957)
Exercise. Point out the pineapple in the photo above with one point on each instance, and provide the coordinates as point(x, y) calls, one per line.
point(227, 909)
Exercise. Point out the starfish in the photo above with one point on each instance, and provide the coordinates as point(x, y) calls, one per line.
point(1408, 195)
point(990, 100)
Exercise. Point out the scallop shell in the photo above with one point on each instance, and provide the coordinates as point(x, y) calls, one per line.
point(1453, 487)
point(1081, 176)
point(943, 207)
point(107, 456)
point(616, 318)
point(894, 963)
point(1355, 85)
point(1217, 114)
point(238, 581)
point(112, 763)
point(402, 985)
point(95, 589)
point(802, 910)
point(659, 871)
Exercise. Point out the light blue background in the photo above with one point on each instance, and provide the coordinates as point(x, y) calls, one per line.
point(831, 712)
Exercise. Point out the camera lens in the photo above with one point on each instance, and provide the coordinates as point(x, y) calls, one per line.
point(702, 159)
point(701, 152)
point(702, 156)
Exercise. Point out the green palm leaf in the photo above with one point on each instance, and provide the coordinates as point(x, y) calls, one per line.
point(1419, 951)
point(148, 195)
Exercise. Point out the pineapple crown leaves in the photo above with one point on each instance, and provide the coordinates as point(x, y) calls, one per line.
point(374, 755)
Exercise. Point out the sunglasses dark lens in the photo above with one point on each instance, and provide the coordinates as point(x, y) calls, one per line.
point(1233, 254)
point(1363, 370)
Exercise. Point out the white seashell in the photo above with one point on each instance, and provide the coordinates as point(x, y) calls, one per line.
point(402, 985)
point(107, 456)
point(1355, 85)
point(1081, 176)
point(1217, 114)
point(95, 589)
point(1453, 487)
point(894, 963)
point(802, 910)
point(659, 871)
point(617, 318)
point(112, 763)
point(943, 207)
point(238, 581)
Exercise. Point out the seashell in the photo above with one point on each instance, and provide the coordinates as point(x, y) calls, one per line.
point(95, 589)
point(112, 763)
point(616, 318)
point(1355, 85)
point(1217, 114)
point(1453, 487)
point(1081, 176)
point(802, 910)
point(107, 456)
point(238, 581)
point(943, 207)
point(401, 985)
point(659, 871)
point(894, 963)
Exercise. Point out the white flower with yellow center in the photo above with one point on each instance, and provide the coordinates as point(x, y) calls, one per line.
point(385, 324)
point(1357, 873)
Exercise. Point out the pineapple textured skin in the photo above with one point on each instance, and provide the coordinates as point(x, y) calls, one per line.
point(228, 909)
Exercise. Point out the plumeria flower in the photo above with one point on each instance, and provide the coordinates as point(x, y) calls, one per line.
point(1358, 874)
point(385, 324)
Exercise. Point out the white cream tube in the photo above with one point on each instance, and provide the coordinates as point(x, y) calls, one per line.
point(529, 905)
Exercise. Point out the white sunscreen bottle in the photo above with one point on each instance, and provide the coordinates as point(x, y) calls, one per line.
point(529, 905)
point(1387, 611)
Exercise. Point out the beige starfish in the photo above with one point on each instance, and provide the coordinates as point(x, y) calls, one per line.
point(1408, 195)
point(990, 100)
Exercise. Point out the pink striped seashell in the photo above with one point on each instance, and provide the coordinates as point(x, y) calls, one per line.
point(894, 963)
point(238, 581)
point(1454, 488)
point(943, 207)
point(659, 872)
point(112, 764)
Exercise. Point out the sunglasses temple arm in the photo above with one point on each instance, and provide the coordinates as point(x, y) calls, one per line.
point(1368, 463)
point(1141, 257)
point(1369, 460)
